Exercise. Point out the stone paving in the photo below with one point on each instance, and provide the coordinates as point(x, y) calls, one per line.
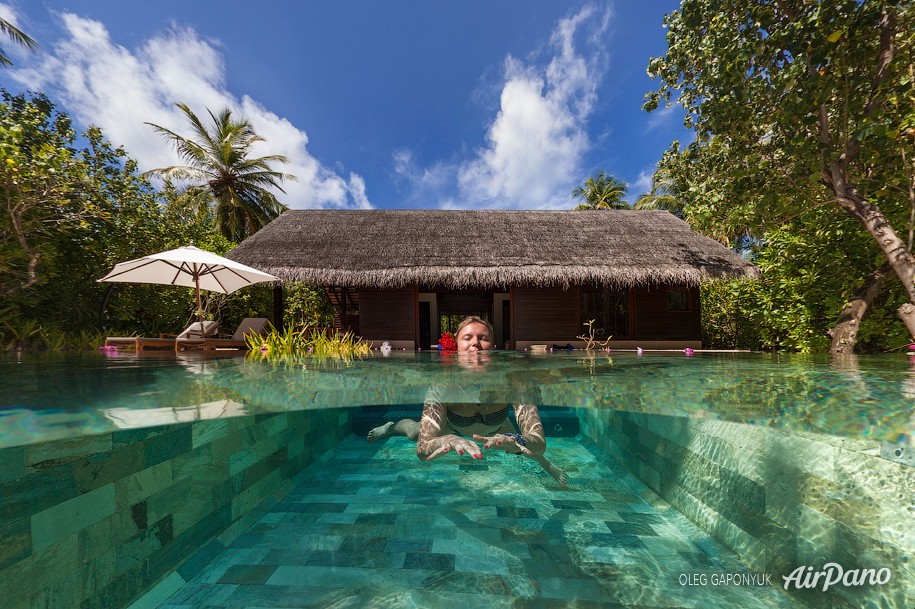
point(373, 526)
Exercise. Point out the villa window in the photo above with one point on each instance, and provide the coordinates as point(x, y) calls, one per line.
point(608, 307)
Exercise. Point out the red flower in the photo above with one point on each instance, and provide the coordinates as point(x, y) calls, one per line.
point(446, 342)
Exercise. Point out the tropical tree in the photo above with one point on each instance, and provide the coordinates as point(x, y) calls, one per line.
point(17, 36)
point(220, 171)
point(666, 193)
point(602, 191)
point(803, 104)
point(70, 207)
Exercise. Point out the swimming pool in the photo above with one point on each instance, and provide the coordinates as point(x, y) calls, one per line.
point(226, 482)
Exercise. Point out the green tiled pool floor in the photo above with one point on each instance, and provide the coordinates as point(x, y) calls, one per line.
point(374, 527)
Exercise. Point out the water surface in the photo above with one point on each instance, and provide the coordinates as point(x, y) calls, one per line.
point(52, 396)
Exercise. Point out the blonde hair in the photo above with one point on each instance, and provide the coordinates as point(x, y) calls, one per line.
point(473, 319)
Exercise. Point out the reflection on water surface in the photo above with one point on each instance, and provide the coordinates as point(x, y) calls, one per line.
point(50, 396)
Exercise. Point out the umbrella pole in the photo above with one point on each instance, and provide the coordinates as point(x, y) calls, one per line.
point(199, 309)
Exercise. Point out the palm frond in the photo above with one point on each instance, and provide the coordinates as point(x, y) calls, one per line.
point(17, 36)
point(239, 186)
point(179, 172)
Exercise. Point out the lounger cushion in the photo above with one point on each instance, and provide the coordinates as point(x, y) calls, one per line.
point(200, 329)
point(250, 325)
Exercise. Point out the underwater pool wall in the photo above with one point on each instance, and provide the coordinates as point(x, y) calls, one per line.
point(100, 521)
point(778, 498)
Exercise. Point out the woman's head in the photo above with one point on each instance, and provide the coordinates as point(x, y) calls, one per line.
point(474, 334)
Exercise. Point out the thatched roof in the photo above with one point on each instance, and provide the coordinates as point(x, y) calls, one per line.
point(489, 248)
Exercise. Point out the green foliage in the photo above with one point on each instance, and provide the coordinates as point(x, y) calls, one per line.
point(70, 209)
point(306, 341)
point(797, 299)
point(307, 305)
point(18, 334)
point(727, 321)
point(803, 112)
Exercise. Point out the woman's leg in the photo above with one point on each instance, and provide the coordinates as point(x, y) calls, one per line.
point(548, 466)
point(403, 427)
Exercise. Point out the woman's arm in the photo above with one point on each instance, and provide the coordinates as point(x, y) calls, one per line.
point(531, 428)
point(434, 442)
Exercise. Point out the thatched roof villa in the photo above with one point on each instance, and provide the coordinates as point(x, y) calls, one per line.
point(538, 276)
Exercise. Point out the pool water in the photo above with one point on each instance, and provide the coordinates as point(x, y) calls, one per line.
point(49, 397)
point(224, 482)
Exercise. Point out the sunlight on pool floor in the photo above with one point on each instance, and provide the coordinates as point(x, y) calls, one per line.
point(373, 527)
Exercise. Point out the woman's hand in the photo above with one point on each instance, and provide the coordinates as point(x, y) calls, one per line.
point(503, 442)
point(446, 444)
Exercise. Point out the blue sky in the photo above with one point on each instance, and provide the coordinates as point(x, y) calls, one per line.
point(412, 104)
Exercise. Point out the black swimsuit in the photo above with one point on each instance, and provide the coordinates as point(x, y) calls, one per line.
point(491, 419)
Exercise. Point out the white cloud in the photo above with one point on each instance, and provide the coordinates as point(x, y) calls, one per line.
point(433, 185)
point(537, 140)
point(642, 184)
point(8, 14)
point(102, 83)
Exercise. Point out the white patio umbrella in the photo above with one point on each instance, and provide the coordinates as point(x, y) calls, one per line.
point(191, 267)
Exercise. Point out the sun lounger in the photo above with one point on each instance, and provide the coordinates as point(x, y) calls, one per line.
point(249, 325)
point(197, 330)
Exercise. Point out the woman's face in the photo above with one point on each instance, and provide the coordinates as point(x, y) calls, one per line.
point(474, 337)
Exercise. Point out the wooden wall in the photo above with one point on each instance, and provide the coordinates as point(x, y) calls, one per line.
point(545, 314)
point(538, 314)
point(553, 314)
point(653, 321)
point(388, 314)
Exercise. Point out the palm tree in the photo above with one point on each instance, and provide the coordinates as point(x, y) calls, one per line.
point(665, 193)
point(601, 192)
point(218, 161)
point(17, 36)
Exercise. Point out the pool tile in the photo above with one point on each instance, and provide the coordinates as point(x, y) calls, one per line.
point(620, 540)
point(17, 541)
point(247, 574)
point(641, 517)
point(630, 528)
point(372, 519)
point(69, 517)
point(565, 504)
point(372, 526)
point(516, 512)
point(470, 583)
point(202, 595)
point(525, 537)
point(429, 561)
point(408, 545)
point(480, 563)
point(39, 491)
point(318, 508)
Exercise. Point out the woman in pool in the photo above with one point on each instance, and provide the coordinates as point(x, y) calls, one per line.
point(447, 427)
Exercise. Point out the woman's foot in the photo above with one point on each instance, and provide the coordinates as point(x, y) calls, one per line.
point(558, 473)
point(549, 467)
point(380, 431)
